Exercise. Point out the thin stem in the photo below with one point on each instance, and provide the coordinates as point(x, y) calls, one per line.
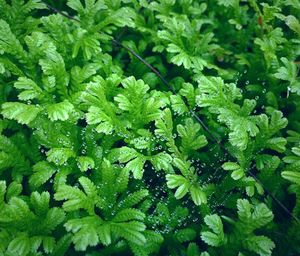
point(273, 197)
point(155, 71)
point(60, 12)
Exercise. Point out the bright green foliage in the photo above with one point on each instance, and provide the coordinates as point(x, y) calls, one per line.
point(289, 73)
point(133, 105)
point(117, 219)
point(42, 172)
point(292, 171)
point(20, 112)
point(241, 238)
point(215, 238)
point(59, 156)
point(220, 97)
point(135, 161)
point(187, 182)
point(164, 127)
point(292, 174)
point(27, 226)
point(85, 163)
point(191, 140)
point(60, 111)
point(29, 87)
point(12, 158)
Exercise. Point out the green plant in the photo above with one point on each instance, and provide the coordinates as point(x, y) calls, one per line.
point(165, 127)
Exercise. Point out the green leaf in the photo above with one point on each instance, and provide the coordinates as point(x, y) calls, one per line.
point(204, 254)
point(178, 105)
point(54, 217)
point(60, 111)
point(20, 245)
point(29, 87)
point(260, 244)
point(128, 214)
point(214, 222)
point(96, 116)
point(22, 113)
point(230, 166)
point(217, 238)
point(296, 151)
point(293, 23)
point(198, 196)
point(228, 3)
point(162, 161)
point(48, 244)
point(289, 73)
point(193, 250)
point(87, 42)
point(131, 231)
point(40, 202)
point(14, 189)
point(136, 166)
point(59, 156)
point(141, 108)
point(54, 66)
point(165, 125)
point(244, 209)
point(237, 174)
point(42, 172)
point(76, 199)
point(134, 198)
point(191, 140)
point(9, 43)
point(174, 180)
point(19, 209)
point(137, 86)
point(261, 215)
point(189, 92)
point(184, 235)
point(183, 166)
point(104, 234)
point(62, 246)
point(76, 5)
point(85, 230)
point(181, 191)
point(181, 57)
point(292, 176)
point(211, 238)
point(2, 191)
point(123, 102)
point(89, 187)
point(126, 154)
point(135, 161)
point(85, 163)
point(277, 144)
point(84, 238)
point(277, 121)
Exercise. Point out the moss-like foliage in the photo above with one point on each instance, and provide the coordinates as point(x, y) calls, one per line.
point(166, 127)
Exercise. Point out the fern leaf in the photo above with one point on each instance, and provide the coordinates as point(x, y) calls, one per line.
point(128, 214)
point(134, 199)
point(29, 87)
point(59, 156)
point(22, 113)
point(60, 111)
point(42, 172)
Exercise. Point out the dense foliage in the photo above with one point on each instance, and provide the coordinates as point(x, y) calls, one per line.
point(100, 156)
